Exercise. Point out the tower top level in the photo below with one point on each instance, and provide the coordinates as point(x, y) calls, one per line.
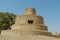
point(30, 11)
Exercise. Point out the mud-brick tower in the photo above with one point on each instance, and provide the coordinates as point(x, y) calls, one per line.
point(30, 23)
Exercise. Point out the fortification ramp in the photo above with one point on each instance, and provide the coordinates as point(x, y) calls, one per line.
point(27, 37)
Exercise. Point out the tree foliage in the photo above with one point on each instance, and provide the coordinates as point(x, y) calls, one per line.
point(6, 20)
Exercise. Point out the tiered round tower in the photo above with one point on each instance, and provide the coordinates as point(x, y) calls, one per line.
point(30, 23)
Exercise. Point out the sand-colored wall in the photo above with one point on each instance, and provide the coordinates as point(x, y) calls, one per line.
point(27, 37)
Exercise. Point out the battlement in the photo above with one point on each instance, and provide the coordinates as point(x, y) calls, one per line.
point(31, 32)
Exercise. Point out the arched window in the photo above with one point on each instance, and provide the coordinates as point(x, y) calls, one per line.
point(30, 21)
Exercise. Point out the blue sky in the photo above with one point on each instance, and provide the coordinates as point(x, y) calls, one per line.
point(49, 9)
